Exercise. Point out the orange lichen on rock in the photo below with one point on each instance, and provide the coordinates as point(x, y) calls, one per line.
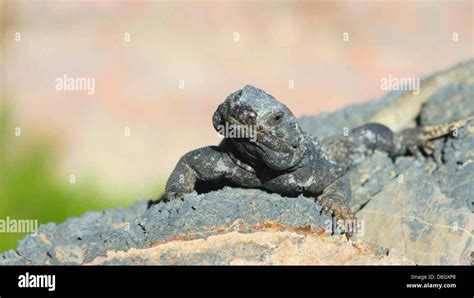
point(264, 247)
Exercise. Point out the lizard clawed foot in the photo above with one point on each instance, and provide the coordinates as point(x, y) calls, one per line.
point(425, 147)
point(341, 214)
point(428, 148)
point(413, 139)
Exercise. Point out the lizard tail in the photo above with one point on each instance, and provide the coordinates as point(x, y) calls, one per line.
point(439, 130)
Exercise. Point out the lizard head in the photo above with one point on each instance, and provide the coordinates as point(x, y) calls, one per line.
point(261, 128)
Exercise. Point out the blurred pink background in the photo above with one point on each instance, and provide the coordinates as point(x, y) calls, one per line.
point(215, 47)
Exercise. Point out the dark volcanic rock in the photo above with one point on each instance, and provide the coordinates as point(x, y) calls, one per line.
point(81, 240)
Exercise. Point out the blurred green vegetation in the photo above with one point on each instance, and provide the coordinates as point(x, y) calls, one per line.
point(29, 188)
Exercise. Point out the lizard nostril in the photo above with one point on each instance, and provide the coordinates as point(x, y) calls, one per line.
point(246, 115)
point(295, 144)
point(251, 116)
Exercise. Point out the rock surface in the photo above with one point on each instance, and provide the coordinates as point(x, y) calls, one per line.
point(412, 215)
point(419, 207)
point(81, 240)
point(265, 247)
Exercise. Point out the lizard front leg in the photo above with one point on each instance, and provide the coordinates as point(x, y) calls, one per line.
point(335, 199)
point(208, 164)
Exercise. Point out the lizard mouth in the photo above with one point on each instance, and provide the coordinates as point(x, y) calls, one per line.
point(234, 121)
point(274, 143)
point(278, 159)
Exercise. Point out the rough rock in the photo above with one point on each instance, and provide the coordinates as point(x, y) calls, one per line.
point(412, 215)
point(421, 207)
point(81, 240)
point(433, 222)
point(265, 247)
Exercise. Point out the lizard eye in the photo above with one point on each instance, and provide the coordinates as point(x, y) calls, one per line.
point(277, 118)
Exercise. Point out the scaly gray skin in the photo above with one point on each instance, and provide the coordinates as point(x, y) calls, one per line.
point(281, 158)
